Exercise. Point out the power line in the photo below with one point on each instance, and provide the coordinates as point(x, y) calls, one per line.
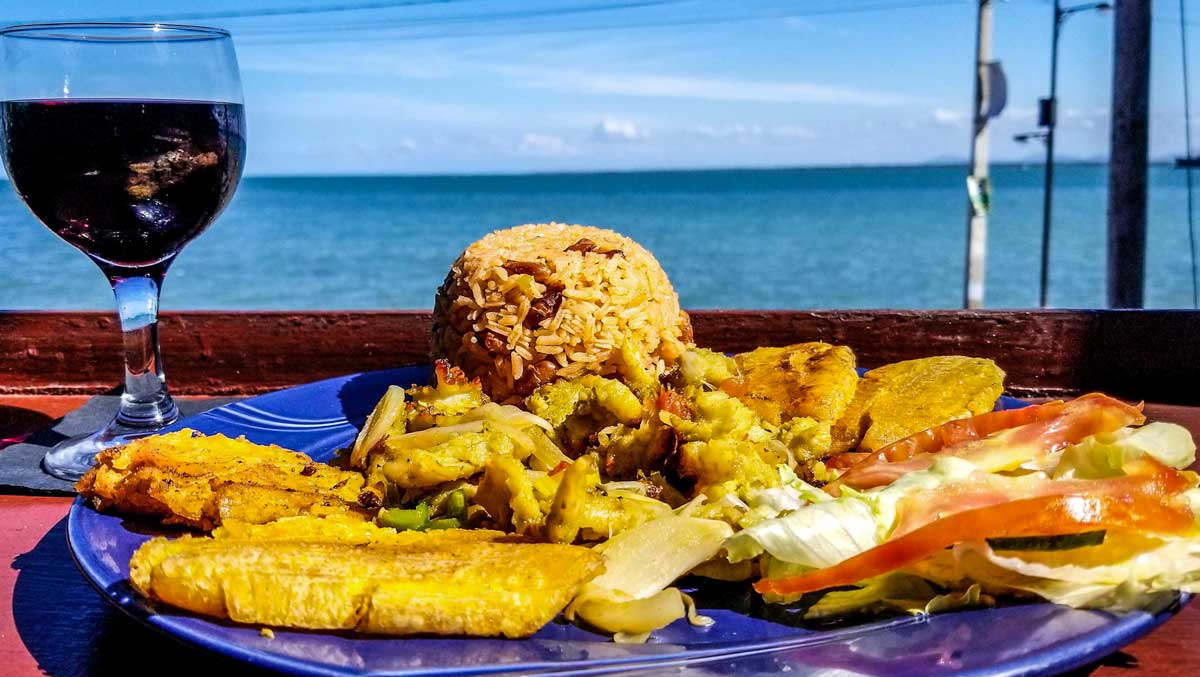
point(486, 17)
point(383, 26)
point(274, 11)
point(666, 22)
point(1187, 131)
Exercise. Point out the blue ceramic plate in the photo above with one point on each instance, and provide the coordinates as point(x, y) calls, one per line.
point(320, 417)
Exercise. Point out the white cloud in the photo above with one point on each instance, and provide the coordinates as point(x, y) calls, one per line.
point(753, 132)
point(533, 143)
point(619, 130)
point(1020, 113)
point(1086, 119)
point(715, 89)
point(947, 117)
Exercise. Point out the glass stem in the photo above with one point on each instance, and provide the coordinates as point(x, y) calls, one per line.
point(145, 402)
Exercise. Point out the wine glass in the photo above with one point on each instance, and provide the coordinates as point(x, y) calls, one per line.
point(126, 140)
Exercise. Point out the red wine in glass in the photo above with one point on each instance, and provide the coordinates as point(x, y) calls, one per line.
point(127, 182)
point(127, 140)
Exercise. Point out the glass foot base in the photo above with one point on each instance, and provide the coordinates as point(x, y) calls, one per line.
point(73, 457)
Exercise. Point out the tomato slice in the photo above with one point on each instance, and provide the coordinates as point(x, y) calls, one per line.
point(996, 440)
point(847, 459)
point(1145, 476)
point(966, 429)
point(1038, 516)
point(948, 434)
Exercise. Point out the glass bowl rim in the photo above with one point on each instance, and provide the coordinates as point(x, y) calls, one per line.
point(94, 31)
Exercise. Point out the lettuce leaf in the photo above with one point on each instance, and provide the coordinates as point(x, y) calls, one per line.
point(1139, 577)
point(1105, 454)
point(824, 533)
point(796, 528)
point(897, 591)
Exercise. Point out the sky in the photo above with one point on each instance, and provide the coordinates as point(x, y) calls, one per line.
point(487, 86)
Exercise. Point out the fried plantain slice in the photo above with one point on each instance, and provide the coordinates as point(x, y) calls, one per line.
point(899, 399)
point(813, 379)
point(341, 576)
point(198, 481)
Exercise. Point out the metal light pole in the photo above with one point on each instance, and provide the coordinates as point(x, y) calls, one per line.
point(1049, 115)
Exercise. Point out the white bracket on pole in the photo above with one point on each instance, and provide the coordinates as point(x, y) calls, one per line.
point(990, 96)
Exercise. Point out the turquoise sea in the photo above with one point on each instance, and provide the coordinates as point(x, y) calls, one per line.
point(869, 237)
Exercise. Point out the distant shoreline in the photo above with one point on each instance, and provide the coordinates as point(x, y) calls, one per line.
point(680, 170)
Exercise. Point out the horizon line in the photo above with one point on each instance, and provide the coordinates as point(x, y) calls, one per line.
point(668, 170)
point(676, 170)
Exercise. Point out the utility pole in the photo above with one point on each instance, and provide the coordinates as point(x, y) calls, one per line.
point(1128, 157)
point(1048, 118)
point(1049, 114)
point(977, 181)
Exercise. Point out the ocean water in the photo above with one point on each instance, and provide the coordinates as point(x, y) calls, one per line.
point(800, 238)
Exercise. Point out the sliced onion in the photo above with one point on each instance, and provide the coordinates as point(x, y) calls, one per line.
point(633, 618)
point(631, 597)
point(506, 413)
point(546, 455)
point(630, 486)
point(641, 561)
point(385, 413)
point(430, 437)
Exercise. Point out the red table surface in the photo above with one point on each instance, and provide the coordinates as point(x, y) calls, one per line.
point(53, 622)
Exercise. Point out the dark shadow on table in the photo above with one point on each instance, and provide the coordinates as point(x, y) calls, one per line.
point(17, 424)
point(70, 630)
point(1117, 659)
point(26, 426)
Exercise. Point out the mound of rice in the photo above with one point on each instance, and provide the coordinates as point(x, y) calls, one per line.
point(529, 304)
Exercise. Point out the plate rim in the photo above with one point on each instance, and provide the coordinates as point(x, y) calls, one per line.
point(1122, 631)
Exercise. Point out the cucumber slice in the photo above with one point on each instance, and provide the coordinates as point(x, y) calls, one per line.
point(1061, 542)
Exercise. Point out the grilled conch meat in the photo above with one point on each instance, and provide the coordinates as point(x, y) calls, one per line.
point(816, 380)
point(903, 398)
point(337, 575)
point(201, 481)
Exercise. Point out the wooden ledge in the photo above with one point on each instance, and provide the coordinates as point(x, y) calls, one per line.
point(1135, 354)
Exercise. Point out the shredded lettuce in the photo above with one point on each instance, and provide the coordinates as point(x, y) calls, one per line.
point(816, 536)
point(823, 533)
point(1105, 455)
point(796, 528)
point(972, 597)
point(1127, 572)
point(898, 591)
